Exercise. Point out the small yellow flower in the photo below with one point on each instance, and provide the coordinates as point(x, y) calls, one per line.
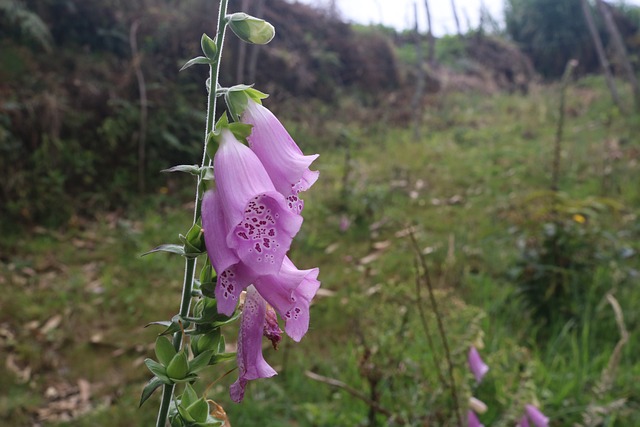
point(580, 219)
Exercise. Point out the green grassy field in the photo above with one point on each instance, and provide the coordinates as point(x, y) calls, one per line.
point(471, 190)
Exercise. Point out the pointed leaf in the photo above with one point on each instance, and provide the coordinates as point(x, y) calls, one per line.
point(158, 370)
point(184, 413)
point(178, 368)
point(221, 357)
point(171, 248)
point(200, 362)
point(188, 379)
point(192, 169)
point(195, 61)
point(189, 396)
point(165, 352)
point(209, 47)
point(148, 389)
point(199, 410)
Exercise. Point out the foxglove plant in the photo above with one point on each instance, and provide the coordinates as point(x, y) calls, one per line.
point(245, 223)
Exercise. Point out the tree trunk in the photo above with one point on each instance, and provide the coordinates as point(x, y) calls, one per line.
point(455, 17)
point(620, 49)
point(416, 102)
point(431, 49)
point(255, 49)
point(604, 62)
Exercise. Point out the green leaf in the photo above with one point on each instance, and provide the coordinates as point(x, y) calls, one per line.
point(196, 61)
point(148, 389)
point(171, 248)
point(208, 341)
point(170, 325)
point(184, 413)
point(158, 370)
point(208, 280)
point(199, 410)
point(188, 379)
point(221, 357)
point(189, 396)
point(192, 169)
point(222, 345)
point(165, 352)
point(208, 46)
point(256, 95)
point(237, 101)
point(194, 241)
point(240, 130)
point(200, 362)
point(206, 173)
point(178, 368)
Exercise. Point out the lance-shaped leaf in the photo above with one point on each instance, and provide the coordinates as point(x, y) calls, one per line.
point(169, 247)
point(195, 61)
point(200, 362)
point(191, 169)
point(158, 370)
point(149, 388)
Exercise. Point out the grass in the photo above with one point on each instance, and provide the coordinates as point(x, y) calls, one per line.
point(75, 300)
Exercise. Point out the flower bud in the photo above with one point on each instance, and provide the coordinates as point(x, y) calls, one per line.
point(251, 29)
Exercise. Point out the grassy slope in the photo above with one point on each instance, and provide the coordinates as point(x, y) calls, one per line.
point(462, 184)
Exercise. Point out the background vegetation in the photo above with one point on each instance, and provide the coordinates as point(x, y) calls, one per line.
point(547, 280)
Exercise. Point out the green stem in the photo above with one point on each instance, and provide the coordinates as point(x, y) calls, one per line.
point(190, 263)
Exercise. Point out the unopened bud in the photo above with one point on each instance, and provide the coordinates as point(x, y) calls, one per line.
point(478, 406)
point(251, 29)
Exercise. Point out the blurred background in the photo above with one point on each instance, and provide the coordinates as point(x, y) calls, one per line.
point(494, 142)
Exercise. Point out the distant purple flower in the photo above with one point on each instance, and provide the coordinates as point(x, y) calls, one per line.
point(472, 420)
point(535, 416)
point(524, 422)
point(248, 226)
point(283, 160)
point(251, 363)
point(476, 365)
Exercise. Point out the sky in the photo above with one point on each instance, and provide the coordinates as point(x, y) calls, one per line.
point(399, 13)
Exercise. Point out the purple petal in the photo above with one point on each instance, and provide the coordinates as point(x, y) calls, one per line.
point(472, 420)
point(251, 363)
point(536, 416)
point(233, 277)
point(476, 365)
point(215, 232)
point(287, 166)
point(290, 292)
point(261, 224)
point(524, 422)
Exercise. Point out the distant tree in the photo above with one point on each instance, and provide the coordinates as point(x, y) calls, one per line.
point(551, 32)
point(17, 21)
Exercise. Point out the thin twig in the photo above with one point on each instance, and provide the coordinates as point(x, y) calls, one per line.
point(427, 330)
point(355, 393)
point(443, 335)
point(144, 104)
